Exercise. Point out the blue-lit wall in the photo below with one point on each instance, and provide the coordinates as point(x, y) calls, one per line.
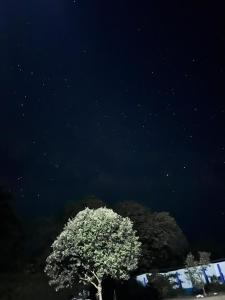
point(214, 269)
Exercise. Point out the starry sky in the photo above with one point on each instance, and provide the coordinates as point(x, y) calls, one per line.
point(121, 99)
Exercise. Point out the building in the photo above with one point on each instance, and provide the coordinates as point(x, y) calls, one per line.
point(215, 269)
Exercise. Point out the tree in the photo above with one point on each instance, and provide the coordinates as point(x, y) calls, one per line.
point(204, 258)
point(11, 234)
point(94, 245)
point(164, 285)
point(42, 231)
point(73, 207)
point(163, 242)
point(195, 269)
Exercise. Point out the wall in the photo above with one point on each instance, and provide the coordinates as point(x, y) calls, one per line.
point(214, 269)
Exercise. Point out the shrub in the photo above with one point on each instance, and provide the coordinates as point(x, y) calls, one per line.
point(215, 287)
point(163, 285)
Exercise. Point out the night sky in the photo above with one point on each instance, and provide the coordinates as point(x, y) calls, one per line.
point(121, 99)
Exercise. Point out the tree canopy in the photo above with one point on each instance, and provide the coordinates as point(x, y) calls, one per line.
point(72, 208)
point(42, 231)
point(94, 245)
point(196, 268)
point(163, 242)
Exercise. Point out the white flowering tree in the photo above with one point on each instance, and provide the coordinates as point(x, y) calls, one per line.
point(195, 269)
point(94, 245)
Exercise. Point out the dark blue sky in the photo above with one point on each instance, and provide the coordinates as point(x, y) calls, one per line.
point(122, 99)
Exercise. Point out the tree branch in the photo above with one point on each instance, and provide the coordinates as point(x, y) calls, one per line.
point(88, 279)
point(95, 276)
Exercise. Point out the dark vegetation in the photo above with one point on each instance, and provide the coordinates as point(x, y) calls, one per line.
point(215, 287)
point(27, 244)
point(11, 234)
point(163, 287)
point(28, 286)
point(127, 290)
point(163, 242)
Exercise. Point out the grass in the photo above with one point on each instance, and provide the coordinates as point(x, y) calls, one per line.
point(27, 286)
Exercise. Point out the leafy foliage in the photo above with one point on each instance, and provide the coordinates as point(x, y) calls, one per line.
point(164, 286)
point(74, 207)
point(94, 245)
point(42, 232)
point(132, 290)
point(215, 286)
point(163, 242)
point(195, 269)
point(204, 258)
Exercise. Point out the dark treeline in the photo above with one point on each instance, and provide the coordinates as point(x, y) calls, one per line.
point(163, 242)
point(11, 234)
point(27, 243)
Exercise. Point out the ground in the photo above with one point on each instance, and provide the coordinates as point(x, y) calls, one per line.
point(218, 297)
point(22, 286)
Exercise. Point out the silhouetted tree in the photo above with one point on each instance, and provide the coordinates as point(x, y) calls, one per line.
point(163, 242)
point(72, 208)
point(41, 232)
point(132, 290)
point(11, 233)
point(195, 269)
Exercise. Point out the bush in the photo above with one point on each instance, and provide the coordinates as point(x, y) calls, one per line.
point(215, 287)
point(132, 290)
point(163, 286)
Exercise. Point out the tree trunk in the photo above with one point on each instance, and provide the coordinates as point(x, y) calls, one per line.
point(203, 288)
point(100, 290)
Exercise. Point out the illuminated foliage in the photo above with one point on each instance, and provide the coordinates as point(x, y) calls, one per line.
point(94, 245)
